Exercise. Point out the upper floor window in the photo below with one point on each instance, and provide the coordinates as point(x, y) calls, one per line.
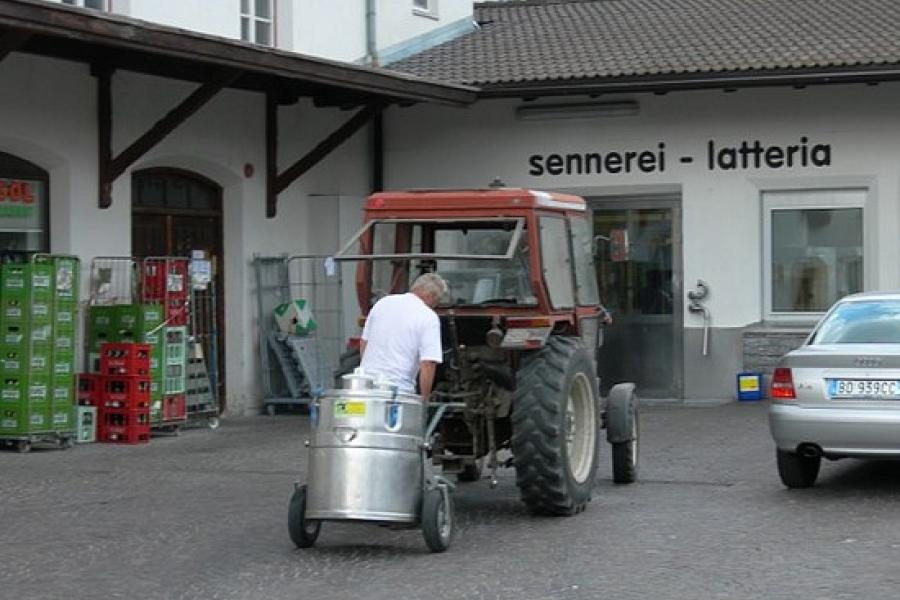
point(427, 8)
point(95, 4)
point(257, 22)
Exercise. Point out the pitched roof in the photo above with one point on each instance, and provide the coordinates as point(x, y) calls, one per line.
point(548, 44)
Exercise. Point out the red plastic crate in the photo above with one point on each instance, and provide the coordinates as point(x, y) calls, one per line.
point(117, 392)
point(176, 312)
point(174, 408)
point(88, 389)
point(127, 360)
point(164, 278)
point(123, 426)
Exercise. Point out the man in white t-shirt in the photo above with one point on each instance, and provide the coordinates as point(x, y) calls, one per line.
point(402, 336)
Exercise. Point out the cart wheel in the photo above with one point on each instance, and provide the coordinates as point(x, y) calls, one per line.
point(270, 410)
point(437, 520)
point(23, 446)
point(303, 532)
point(68, 442)
point(176, 430)
point(212, 422)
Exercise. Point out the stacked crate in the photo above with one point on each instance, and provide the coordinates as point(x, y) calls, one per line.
point(164, 283)
point(63, 332)
point(123, 414)
point(38, 304)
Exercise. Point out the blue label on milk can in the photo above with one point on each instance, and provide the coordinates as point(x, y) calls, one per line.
point(314, 414)
point(393, 418)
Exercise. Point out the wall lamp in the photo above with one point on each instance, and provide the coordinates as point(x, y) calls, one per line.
point(577, 110)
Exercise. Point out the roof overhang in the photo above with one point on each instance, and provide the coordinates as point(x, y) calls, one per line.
point(693, 81)
point(119, 42)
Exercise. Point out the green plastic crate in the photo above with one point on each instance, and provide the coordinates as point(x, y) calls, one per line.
point(66, 275)
point(38, 388)
point(85, 424)
point(64, 319)
point(12, 390)
point(102, 318)
point(41, 312)
point(26, 281)
point(14, 311)
point(40, 361)
point(62, 389)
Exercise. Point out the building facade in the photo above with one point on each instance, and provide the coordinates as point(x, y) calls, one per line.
point(731, 206)
point(204, 185)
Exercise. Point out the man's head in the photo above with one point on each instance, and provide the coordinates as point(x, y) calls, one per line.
point(430, 287)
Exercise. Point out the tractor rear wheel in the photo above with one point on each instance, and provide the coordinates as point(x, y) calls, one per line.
point(555, 421)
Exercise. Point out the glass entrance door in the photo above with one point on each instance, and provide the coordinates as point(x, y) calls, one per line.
point(638, 261)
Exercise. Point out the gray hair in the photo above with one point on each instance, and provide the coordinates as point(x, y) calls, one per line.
point(432, 284)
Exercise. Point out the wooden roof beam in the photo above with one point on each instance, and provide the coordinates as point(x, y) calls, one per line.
point(277, 183)
point(109, 169)
point(12, 40)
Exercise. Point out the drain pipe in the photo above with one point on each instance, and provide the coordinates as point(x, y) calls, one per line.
point(371, 43)
point(695, 305)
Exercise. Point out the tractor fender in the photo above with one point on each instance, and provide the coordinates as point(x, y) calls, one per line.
point(621, 412)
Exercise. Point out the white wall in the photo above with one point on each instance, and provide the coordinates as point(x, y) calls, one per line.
point(335, 29)
point(721, 209)
point(397, 22)
point(51, 121)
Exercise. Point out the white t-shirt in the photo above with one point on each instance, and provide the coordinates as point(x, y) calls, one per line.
point(401, 331)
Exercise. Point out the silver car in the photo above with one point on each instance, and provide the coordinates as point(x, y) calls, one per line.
point(838, 395)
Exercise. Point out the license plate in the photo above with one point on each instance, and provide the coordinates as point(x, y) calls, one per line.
point(864, 388)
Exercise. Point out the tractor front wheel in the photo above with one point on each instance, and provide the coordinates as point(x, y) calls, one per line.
point(555, 421)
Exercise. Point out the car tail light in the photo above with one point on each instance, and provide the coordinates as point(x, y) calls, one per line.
point(783, 385)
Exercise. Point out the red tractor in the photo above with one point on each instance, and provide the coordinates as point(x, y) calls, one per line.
point(520, 329)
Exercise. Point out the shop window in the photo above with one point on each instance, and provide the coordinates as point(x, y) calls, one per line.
point(258, 22)
point(93, 4)
point(426, 8)
point(24, 189)
point(556, 263)
point(814, 250)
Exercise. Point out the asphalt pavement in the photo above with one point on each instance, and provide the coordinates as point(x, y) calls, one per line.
point(203, 515)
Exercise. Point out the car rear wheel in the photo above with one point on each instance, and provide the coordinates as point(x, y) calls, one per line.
point(797, 471)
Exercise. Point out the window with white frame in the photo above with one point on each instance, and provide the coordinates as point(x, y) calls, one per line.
point(94, 4)
point(258, 22)
point(426, 8)
point(813, 249)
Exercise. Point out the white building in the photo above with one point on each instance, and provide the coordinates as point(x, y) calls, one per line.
point(711, 145)
point(197, 178)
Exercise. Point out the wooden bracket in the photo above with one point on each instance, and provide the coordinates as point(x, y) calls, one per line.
point(12, 40)
point(109, 169)
point(277, 183)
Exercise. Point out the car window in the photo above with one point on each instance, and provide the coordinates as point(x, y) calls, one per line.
point(868, 322)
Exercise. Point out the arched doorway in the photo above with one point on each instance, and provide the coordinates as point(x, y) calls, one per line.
point(24, 206)
point(177, 213)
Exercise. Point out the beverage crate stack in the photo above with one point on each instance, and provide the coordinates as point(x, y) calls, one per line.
point(38, 313)
point(164, 283)
point(158, 322)
point(123, 414)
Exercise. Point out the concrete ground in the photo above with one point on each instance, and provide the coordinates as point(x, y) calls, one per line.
point(203, 516)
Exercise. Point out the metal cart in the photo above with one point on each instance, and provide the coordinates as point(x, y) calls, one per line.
point(368, 463)
point(297, 368)
point(202, 388)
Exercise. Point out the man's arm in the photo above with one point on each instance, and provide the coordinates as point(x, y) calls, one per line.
point(427, 369)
